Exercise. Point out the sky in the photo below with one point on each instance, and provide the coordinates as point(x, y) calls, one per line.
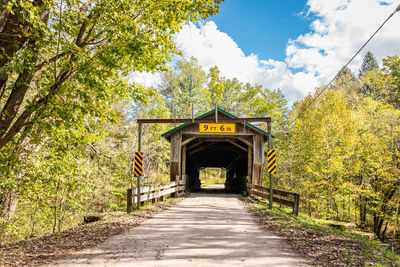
point(291, 45)
point(267, 26)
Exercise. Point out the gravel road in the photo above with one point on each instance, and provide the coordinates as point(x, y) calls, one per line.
point(202, 230)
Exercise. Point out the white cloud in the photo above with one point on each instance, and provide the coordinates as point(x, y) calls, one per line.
point(341, 28)
point(338, 30)
point(146, 79)
point(215, 48)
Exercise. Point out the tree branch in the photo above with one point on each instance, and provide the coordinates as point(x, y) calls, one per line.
point(16, 98)
point(51, 60)
point(26, 115)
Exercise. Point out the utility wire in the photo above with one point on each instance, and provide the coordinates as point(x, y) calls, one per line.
point(345, 66)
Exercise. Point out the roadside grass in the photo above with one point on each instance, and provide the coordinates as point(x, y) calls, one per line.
point(48, 248)
point(212, 180)
point(320, 244)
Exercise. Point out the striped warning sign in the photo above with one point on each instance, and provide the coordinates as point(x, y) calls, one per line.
point(138, 166)
point(271, 161)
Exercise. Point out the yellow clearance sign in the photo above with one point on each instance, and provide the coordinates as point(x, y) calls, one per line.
point(217, 127)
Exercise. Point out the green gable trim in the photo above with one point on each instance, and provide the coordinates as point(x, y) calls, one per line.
point(186, 124)
point(174, 129)
point(246, 123)
point(211, 112)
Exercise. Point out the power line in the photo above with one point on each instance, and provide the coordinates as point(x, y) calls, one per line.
point(345, 66)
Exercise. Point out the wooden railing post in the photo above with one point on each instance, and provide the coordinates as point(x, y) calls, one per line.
point(183, 184)
point(129, 198)
point(296, 202)
point(177, 182)
point(139, 177)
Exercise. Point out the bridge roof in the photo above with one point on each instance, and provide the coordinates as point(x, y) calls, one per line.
point(255, 128)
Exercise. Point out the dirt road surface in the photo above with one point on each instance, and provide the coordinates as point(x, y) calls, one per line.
point(202, 230)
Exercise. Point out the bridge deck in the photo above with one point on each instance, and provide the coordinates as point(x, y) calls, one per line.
point(202, 230)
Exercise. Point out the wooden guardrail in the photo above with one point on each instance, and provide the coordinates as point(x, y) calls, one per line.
point(153, 192)
point(286, 198)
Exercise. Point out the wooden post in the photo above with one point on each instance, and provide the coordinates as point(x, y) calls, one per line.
point(175, 156)
point(258, 159)
point(139, 177)
point(154, 200)
point(296, 203)
point(397, 214)
point(192, 113)
point(216, 113)
point(133, 171)
point(184, 183)
point(176, 193)
point(270, 175)
point(183, 160)
point(249, 163)
point(129, 195)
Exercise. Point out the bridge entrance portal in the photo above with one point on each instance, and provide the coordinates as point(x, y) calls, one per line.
point(217, 152)
point(226, 142)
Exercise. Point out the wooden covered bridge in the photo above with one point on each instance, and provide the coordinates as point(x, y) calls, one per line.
point(228, 142)
point(216, 139)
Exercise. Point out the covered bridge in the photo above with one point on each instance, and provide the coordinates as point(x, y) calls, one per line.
point(227, 142)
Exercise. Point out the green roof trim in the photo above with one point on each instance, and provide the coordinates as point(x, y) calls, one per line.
point(211, 112)
point(174, 129)
point(186, 124)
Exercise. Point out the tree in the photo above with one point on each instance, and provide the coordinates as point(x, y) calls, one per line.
point(62, 67)
point(391, 67)
point(369, 63)
point(384, 84)
point(321, 136)
point(345, 149)
point(182, 86)
point(66, 50)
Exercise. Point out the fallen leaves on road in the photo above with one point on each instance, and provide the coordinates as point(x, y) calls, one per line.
point(48, 248)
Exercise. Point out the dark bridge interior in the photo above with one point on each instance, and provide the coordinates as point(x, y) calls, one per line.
point(228, 153)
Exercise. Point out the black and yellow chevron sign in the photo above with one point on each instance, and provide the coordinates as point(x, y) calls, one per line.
point(138, 167)
point(271, 154)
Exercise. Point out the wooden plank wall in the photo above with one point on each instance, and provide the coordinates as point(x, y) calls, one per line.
point(249, 161)
point(258, 159)
point(175, 156)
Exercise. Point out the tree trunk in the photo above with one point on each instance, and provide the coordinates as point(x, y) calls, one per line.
point(33, 217)
point(8, 202)
point(384, 211)
point(375, 222)
point(378, 230)
point(384, 232)
point(363, 212)
point(55, 214)
point(60, 211)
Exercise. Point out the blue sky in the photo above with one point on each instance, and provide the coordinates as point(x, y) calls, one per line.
point(290, 45)
point(263, 27)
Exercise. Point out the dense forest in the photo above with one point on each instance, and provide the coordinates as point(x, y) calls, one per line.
point(67, 131)
point(342, 152)
point(66, 105)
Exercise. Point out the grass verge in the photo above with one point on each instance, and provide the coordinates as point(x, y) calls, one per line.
point(319, 244)
point(47, 249)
